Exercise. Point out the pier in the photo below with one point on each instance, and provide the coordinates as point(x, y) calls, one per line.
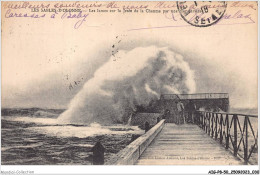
point(204, 137)
point(213, 138)
point(185, 145)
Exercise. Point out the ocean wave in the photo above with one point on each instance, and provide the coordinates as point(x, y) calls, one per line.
point(85, 131)
point(45, 121)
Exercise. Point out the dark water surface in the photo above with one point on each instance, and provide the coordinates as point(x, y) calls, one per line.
point(39, 141)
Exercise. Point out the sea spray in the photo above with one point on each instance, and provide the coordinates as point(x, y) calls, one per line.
point(129, 79)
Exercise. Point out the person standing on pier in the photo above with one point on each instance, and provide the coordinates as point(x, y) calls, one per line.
point(180, 116)
point(191, 108)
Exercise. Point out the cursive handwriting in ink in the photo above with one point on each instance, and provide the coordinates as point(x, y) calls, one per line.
point(10, 14)
point(235, 16)
point(238, 4)
point(238, 15)
point(79, 15)
point(25, 5)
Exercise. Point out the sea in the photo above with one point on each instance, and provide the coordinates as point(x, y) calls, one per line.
point(32, 136)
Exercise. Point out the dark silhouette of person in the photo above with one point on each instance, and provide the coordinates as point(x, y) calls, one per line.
point(166, 114)
point(191, 108)
point(180, 109)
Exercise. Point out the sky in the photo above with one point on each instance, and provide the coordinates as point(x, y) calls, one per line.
point(45, 62)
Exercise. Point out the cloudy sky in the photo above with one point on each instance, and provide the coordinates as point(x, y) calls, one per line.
point(45, 62)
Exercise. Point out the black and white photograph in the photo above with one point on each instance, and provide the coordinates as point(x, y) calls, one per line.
point(129, 83)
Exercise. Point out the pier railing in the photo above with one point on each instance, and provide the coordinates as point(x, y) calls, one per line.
point(203, 96)
point(195, 96)
point(130, 154)
point(237, 132)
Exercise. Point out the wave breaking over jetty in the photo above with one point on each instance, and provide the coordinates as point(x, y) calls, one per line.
point(129, 79)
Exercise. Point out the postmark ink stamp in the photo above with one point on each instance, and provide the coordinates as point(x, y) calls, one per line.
point(201, 13)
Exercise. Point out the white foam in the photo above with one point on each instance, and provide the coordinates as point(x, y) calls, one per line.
point(84, 131)
point(128, 79)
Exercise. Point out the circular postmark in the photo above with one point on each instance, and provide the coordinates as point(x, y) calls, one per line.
point(201, 13)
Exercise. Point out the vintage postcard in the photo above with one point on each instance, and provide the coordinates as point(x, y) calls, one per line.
point(129, 83)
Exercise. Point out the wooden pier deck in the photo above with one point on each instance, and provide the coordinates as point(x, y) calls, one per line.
point(185, 145)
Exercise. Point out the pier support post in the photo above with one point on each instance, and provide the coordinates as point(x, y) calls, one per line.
point(212, 124)
point(208, 123)
point(216, 127)
point(235, 135)
point(246, 140)
point(98, 154)
point(227, 131)
point(221, 131)
point(203, 121)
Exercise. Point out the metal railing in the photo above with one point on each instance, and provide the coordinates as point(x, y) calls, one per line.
point(204, 96)
point(234, 131)
point(195, 96)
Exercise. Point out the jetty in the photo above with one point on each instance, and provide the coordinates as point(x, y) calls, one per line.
point(210, 138)
point(185, 145)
